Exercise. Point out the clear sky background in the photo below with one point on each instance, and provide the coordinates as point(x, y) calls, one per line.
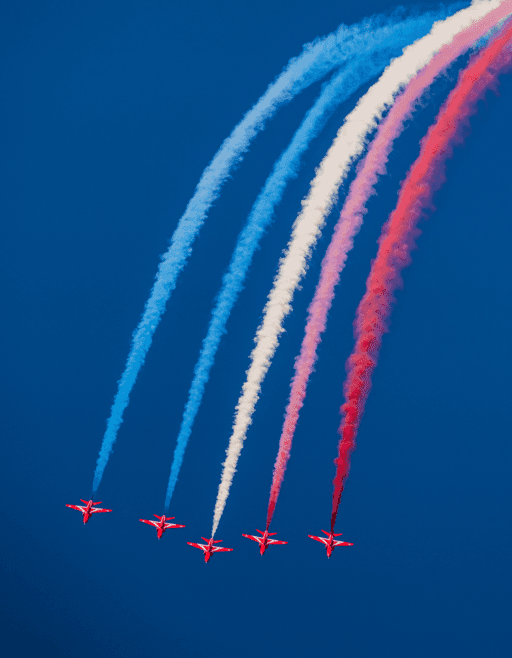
point(110, 112)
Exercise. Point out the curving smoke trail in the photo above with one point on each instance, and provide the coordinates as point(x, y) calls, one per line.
point(317, 59)
point(347, 147)
point(375, 52)
point(350, 221)
point(397, 239)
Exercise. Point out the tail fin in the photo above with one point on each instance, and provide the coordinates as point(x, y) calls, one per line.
point(85, 501)
point(271, 534)
point(158, 517)
point(261, 533)
point(97, 503)
point(217, 541)
point(326, 533)
point(206, 540)
point(337, 534)
point(169, 518)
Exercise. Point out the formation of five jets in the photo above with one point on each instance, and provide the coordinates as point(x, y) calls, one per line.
point(209, 548)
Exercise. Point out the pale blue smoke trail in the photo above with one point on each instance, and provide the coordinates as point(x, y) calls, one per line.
point(380, 46)
point(317, 60)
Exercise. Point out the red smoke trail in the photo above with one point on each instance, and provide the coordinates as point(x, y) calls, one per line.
point(350, 221)
point(425, 176)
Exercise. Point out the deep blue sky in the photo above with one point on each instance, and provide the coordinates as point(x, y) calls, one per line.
point(110, 112)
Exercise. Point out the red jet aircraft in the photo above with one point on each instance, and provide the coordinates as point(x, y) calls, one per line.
point(161, 525)
point(88, 510)
point(329, 542)
point(264, 540)
point(209, 549)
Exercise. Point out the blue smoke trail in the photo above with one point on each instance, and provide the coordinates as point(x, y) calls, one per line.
point(317, 59)
point(380, 46)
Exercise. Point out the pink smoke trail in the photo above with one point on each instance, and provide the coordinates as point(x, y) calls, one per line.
point(350, 221)
point(397, 239)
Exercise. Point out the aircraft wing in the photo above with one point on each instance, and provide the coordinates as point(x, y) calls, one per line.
point(80, 508)
point(321, 539)
point(95, 510)
point(152, 523)
point(219, 549)
point(251, 537)
point(200, 546)
point(172, 525)
point(276, 541)
point(341, 543)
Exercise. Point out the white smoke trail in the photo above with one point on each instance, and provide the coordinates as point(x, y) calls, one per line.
point(347, 146)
